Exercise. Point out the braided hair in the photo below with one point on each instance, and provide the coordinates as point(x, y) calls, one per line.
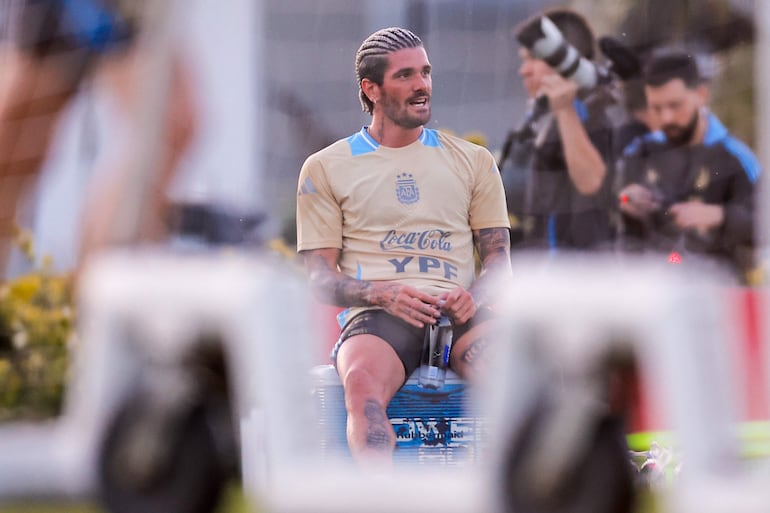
point(371, 57)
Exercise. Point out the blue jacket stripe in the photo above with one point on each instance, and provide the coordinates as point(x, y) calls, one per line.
point(745, 157)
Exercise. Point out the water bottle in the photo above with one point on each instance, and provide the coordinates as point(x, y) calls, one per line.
point(435, 353)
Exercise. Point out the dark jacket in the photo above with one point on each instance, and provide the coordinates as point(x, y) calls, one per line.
point(721, 171)
point(554, 215)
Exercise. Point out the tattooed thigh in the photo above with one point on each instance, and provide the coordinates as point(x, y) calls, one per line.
point(475, 353)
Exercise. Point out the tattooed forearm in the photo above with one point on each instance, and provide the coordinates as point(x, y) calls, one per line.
point(332, 286)
point(378, 426)
point(493, 244)
point(346, 291)
point(494, 247)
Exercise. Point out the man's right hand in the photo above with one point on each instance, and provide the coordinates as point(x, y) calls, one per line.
point(638, 201)
point(560, 91)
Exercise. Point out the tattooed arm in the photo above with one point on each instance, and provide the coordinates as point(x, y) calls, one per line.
point(332, 286)
point(494, 247)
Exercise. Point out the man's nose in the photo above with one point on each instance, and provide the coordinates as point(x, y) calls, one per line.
point(422, 82)
point(666, 116)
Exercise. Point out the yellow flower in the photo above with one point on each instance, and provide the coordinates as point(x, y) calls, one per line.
point(476, 138)
point(36, 320)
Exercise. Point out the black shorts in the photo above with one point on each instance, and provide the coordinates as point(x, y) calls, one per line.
point(405, 339)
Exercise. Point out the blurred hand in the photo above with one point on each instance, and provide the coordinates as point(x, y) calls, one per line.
point(638, 201)
point(697, 215)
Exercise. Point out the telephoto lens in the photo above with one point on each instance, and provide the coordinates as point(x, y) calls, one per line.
point(545, 41)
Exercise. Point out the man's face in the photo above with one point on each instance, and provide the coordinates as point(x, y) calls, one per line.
point(532, 71)
point(406, 88)
point(675, 109)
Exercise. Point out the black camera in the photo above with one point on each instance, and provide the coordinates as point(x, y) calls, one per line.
point(545, 41)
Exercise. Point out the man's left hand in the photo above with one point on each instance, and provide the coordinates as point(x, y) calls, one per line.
point(697, 215)
point(459, 305)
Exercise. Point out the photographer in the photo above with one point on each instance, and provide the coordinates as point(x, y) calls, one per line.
point(687, 190)
point(565, 154)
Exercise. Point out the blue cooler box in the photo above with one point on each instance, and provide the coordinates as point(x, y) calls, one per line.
point(432, 426)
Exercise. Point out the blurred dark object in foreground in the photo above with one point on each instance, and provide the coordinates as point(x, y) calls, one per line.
point(213, 225)
point(171, 446)
point(543, 472)
point(711, 25)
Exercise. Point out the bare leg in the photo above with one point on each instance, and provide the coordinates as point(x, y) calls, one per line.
point(121, 76)
point(33, 94)
point(371, 374)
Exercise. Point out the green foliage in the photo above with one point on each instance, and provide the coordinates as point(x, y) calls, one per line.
point(36, 320)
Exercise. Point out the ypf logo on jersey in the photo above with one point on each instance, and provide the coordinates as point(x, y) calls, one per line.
point(406, 189)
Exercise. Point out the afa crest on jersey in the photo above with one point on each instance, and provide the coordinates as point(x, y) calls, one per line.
point(652, 177)
point(703, 179)
point(406, 189)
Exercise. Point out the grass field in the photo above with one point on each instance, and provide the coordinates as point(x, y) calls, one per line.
point(233, 502)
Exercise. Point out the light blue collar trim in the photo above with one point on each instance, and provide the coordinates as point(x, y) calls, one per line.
point(368, 138)
point(429, 137)
point(361, 143)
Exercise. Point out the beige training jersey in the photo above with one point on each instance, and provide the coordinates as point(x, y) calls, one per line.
point(401, 214)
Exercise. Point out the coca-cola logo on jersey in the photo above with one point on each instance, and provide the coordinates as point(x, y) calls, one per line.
point(436, 240)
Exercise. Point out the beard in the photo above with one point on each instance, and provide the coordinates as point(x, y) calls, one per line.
point(399, 113)
point(679, 135)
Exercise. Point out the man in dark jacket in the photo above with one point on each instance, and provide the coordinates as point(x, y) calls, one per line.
point(687, 190)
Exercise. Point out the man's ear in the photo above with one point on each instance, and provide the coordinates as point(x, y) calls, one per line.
point(370, 89)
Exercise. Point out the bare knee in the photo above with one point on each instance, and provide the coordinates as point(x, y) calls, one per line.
point(369, 428)
point(362, 390)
